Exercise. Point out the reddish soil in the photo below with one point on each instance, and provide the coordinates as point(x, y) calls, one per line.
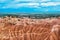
point(29, 29)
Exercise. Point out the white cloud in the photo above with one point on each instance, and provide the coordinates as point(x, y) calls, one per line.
point(33, 3)
point(50, 4)
point(22, 5)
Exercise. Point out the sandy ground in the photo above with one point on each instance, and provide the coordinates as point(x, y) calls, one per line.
point(29, 29)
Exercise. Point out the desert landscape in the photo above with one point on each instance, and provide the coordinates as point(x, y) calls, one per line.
point(13, 28)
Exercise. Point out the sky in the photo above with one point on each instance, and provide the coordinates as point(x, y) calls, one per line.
point(25, 6)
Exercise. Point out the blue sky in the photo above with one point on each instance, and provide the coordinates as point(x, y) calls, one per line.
point(29, 5)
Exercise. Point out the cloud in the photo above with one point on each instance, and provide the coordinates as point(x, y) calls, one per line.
point(31, 3)
point(50, 4)
point(18, 4)
point(22, 5)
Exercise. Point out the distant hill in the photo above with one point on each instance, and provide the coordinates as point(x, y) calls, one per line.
point(40, 15)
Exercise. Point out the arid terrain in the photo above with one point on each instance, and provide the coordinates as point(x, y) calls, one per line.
point(29, 29)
